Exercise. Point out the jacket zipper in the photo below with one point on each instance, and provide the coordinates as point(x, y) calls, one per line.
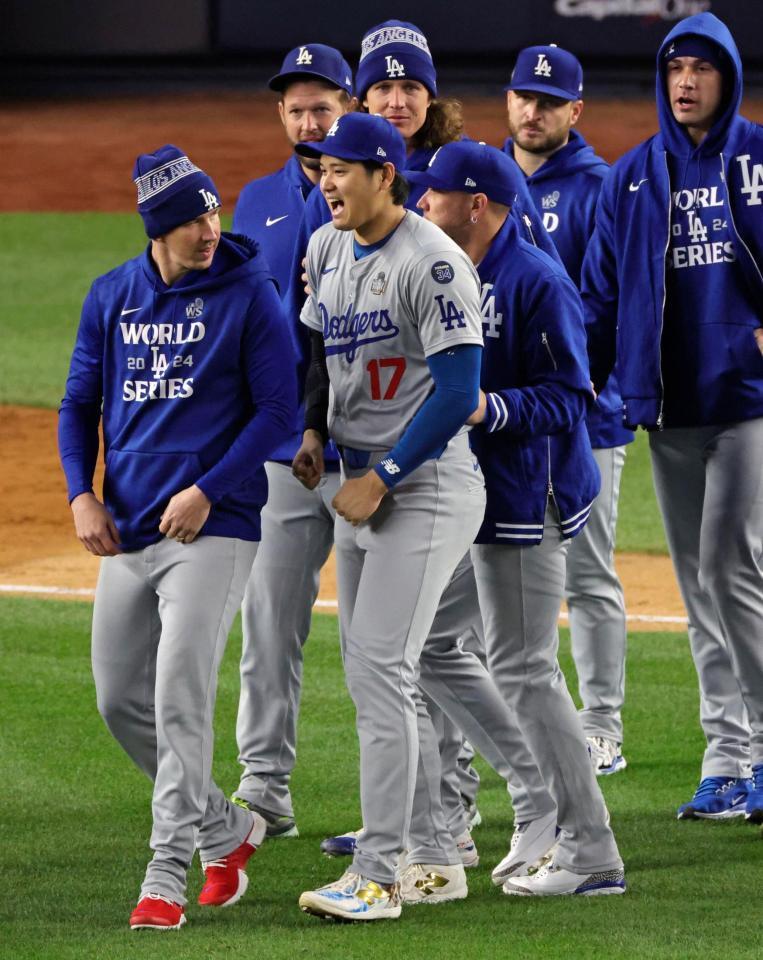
point(529, 225)
point(660, 415)
point(547, 345)
point(550, 483)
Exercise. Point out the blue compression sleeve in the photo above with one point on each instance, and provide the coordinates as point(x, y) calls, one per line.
point(456, 375)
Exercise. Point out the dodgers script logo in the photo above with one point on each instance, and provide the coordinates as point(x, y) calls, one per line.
point(350, 331)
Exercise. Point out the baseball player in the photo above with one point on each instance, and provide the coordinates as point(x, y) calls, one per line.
point(396, 78)
point(395, 315)
point(674, 294)
point(564, 178)
point(541, 478)
point(182, 348)
point(314, 87)
point(436, 121)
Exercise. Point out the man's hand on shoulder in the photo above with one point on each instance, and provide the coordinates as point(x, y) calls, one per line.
point(185, 515)
point(307, 465)
point(357, 499)
point(95, 526)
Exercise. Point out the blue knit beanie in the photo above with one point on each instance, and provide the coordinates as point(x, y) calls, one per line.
point(395, 50)
point(171, 190)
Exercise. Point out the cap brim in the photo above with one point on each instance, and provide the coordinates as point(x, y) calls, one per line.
point(544, 88)
point(427, 179)
point(281, 80)
point(318, 150)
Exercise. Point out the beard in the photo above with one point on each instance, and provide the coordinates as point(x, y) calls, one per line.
point(545, 145)
point(309, 162)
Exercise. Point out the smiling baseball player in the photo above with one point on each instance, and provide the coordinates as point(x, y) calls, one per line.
point(395, 315)
point(180, 352)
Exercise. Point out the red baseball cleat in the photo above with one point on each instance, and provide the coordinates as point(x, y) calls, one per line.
point(155, 912)
point(227, 881)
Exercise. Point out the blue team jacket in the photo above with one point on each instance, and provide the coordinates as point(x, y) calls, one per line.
point(624, 272)
point(535, 372)
point(197, 386)
point(269, 211)
point(565, 190)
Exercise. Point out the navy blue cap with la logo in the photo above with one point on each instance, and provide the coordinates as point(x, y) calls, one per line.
point(470, 167)
point(313, 61)
point(550, 70)
point(357, 137)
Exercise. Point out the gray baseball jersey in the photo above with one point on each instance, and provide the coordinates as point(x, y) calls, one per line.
point(381, 317)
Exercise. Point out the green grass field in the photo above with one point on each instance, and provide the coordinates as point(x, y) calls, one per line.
point(75, 823)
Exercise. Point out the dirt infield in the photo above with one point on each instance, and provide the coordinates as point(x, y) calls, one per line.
point(77, 156)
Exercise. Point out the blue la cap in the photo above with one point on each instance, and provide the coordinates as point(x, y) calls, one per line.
point(314, 61)
point(358, 137)
point(395, 50)
point(471, 167)
point(548, 70)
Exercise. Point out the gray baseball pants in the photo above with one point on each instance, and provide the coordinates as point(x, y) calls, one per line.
point(596, 607)
point(709, 485)
point(520, 591)
point(160, 623)
point(391, 572)
point(297, 536)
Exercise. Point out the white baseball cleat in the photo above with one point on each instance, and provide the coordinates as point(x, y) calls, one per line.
point(353, 897)
point(531, 843)
point(553, 881)
point(605, 755)
point(433, 883)
point(467, 850)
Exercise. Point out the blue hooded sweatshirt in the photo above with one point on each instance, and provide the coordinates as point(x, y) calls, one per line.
point(672, 279)
point(565, 190)
point(196, 385)
point(533, 443)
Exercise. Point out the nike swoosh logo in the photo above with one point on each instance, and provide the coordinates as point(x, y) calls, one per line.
point(133, 310)
point(633, 187)
point(269, 222)
point(327, 270)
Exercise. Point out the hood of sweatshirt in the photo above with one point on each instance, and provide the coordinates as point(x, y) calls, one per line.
point(676, 138)
point(236, 257)
point(575, 156)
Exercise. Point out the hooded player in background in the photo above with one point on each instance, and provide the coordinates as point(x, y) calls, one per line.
point(564, 177)
point(182, 348)
point(673, 288)
point(314, 87)
point(541, 479)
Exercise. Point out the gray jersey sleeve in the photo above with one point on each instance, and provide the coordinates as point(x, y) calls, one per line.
point(443, 290)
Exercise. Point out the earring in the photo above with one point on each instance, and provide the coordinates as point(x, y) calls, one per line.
point(473, 219)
